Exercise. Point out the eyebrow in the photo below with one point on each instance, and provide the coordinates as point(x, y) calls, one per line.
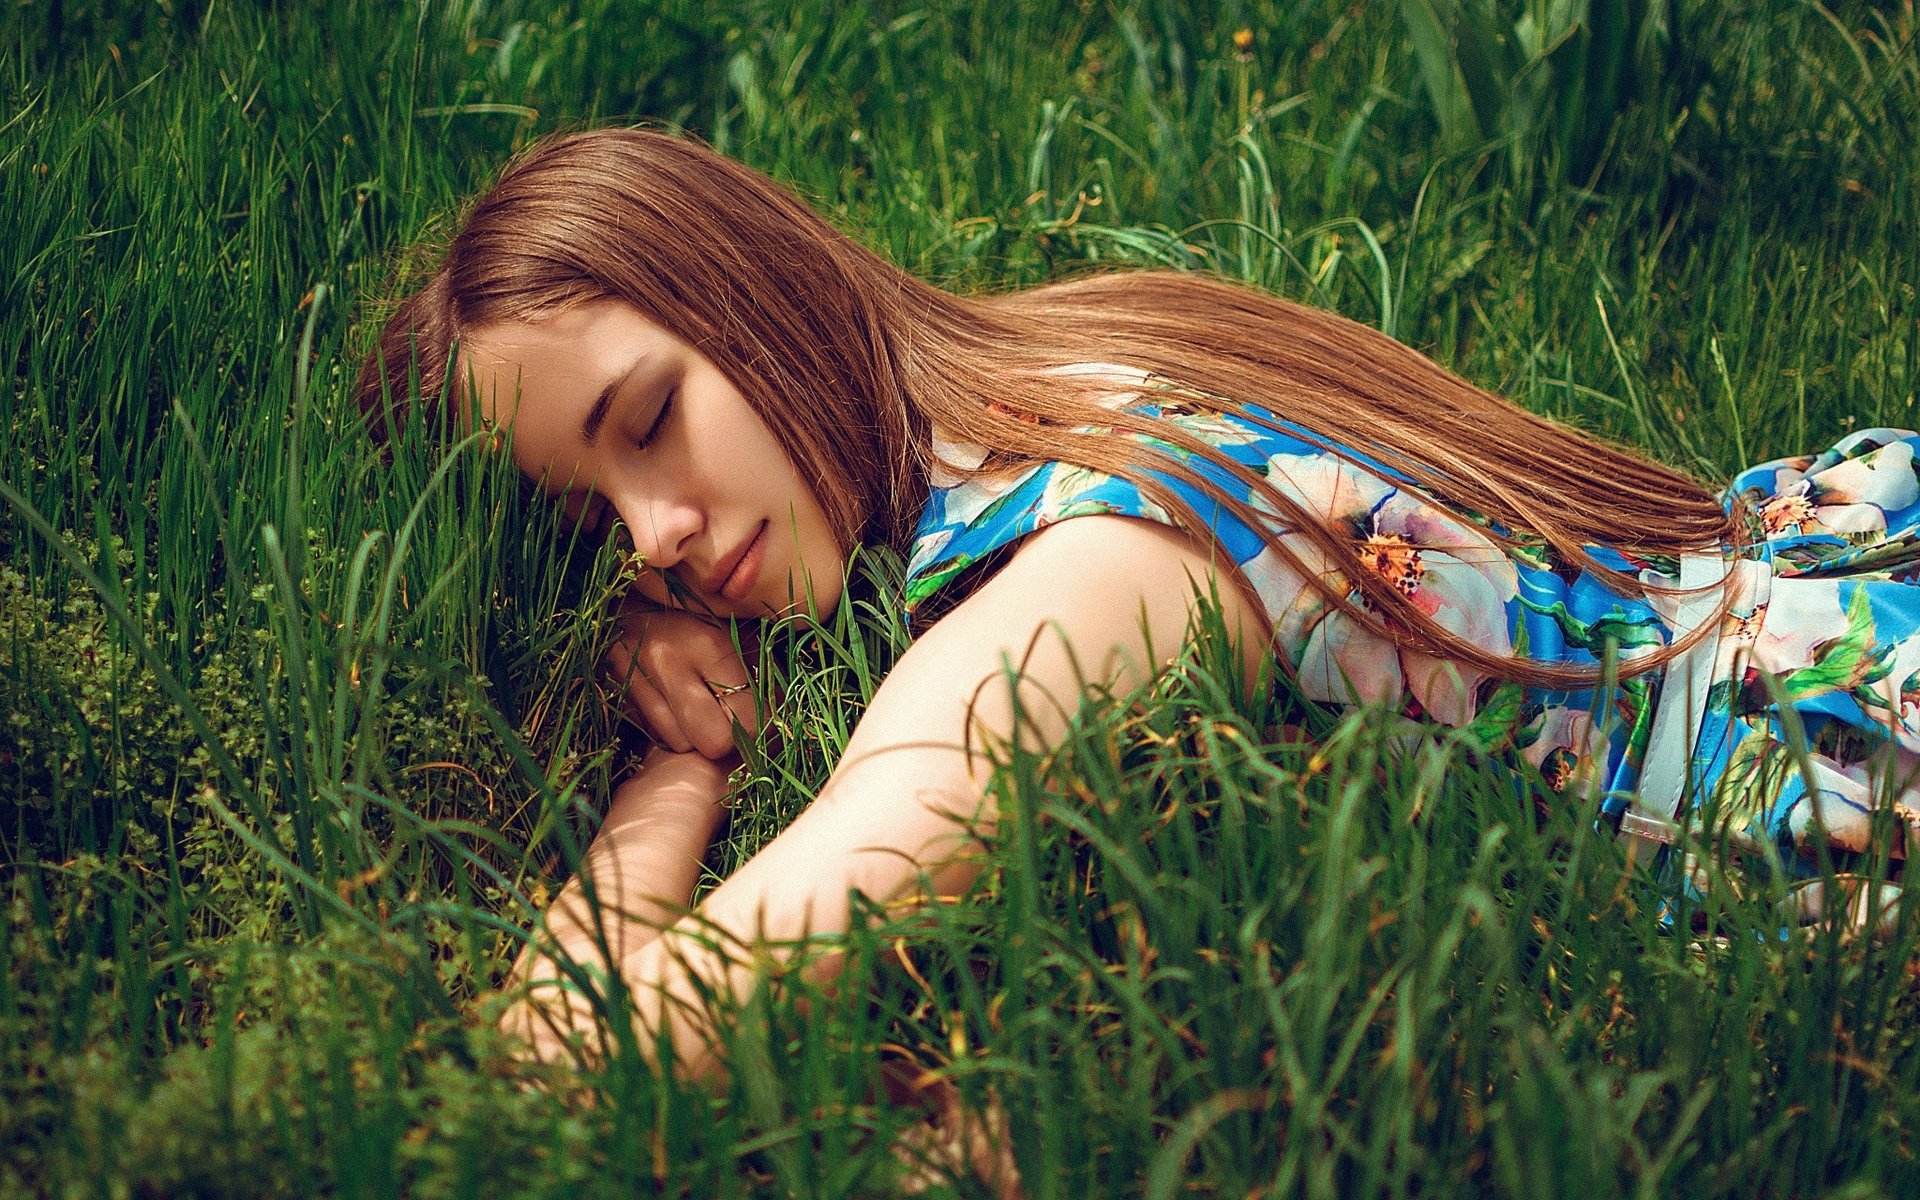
point(603, 404)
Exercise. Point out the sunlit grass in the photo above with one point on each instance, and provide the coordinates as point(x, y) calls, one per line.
point(299, 732)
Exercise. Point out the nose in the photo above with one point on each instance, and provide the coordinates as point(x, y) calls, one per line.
point(663, 528)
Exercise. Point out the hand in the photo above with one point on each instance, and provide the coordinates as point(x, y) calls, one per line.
point(684, 680)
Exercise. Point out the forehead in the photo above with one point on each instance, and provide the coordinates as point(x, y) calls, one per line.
point(542, 377)
point(512, 363)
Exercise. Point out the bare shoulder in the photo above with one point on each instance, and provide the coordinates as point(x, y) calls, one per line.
point(1123, 545)
point(1108, 558)
point(1104, 580)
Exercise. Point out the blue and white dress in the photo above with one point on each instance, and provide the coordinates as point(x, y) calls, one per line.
point(1821, 646)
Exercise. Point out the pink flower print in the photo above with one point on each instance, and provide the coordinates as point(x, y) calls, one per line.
point(1293, 605)
point(1446, 568)
point(958, 463)
point(1801, 617)
point(1065, 487)
point(1326, 486)
point(954, 462)
point(1811, 645)
point(1841, 805)
point(1853, 496)
point(1745, 629)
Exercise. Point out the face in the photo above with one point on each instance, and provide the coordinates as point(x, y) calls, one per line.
point(617, 418)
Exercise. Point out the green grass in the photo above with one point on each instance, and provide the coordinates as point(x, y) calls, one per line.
point(295, 736)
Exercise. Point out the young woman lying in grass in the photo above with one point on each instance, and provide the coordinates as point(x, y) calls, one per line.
point(690, 358)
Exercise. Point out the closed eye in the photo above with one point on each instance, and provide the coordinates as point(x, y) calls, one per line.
point(595, 518)
point(659, 419)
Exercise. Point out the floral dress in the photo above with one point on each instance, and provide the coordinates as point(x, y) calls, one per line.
point(1818, 651)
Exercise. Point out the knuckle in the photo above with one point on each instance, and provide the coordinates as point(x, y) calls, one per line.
point(716, 742)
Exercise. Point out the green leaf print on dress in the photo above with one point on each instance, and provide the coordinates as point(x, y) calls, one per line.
point(1836, 540)
point(1850, 661)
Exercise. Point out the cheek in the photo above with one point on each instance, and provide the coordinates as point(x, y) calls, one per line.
point(812, 511)
point(827, 564)
point(829, 547)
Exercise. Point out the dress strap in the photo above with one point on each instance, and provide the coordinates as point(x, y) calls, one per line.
point(1649, 820)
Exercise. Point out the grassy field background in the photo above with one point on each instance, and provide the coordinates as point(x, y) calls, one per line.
point(294, 739)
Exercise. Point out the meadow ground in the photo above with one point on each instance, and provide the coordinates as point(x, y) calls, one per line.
point(296, 737)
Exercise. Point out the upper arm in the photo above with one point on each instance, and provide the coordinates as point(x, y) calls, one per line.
point(1094, 599)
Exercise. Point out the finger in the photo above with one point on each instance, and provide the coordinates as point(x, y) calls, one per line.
point(731, 689)
point(706, 720)
point(743, 709)
point(656, 714)
point(714, 739)
point(647, 703)
point(685, 662)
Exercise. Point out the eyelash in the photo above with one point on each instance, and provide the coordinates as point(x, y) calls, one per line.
point(600, 523)
point(659, 419)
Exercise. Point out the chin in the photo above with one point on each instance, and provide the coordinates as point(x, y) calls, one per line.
point(821, 604)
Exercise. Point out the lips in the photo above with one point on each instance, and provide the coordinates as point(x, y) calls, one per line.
point(734, 576)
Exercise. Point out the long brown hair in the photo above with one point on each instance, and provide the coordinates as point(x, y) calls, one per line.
point(853, 362)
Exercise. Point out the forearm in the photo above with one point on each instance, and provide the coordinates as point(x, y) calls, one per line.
point(639, 871)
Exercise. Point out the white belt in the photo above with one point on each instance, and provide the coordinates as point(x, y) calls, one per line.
point(1668, 765)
